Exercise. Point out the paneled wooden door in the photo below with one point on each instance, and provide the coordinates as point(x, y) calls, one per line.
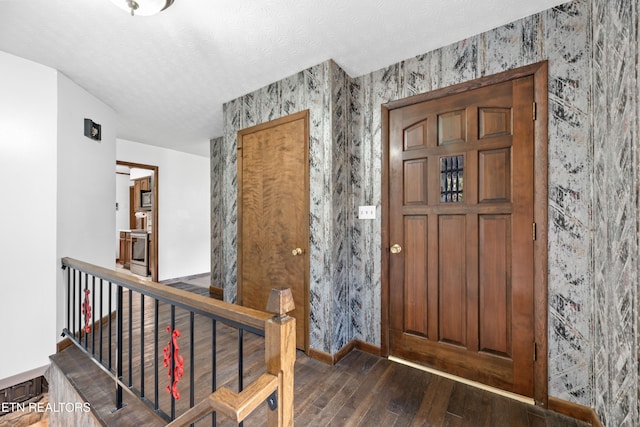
point(273, 215)
point(461, 234)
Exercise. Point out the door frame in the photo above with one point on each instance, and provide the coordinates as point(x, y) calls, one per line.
point(156, 208)
point(304, 115)
point(540, 252)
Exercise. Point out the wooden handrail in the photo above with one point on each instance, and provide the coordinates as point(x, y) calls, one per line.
point(236, 313)
point(236, 406)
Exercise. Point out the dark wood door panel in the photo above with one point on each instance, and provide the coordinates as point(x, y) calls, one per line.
point(460, 202)
point(494, 175)
point(452, 263)
point(416, 296)
point(494, 325)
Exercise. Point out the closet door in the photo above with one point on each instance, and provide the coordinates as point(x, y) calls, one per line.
point(273, 215)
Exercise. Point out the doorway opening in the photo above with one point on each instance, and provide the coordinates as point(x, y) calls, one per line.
point(137, 212)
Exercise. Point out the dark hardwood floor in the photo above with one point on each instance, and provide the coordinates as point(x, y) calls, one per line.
point(365, 390)
point(196, 289)
point(361, 390)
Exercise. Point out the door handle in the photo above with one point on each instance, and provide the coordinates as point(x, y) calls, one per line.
point(297, 251)
point(396, 249)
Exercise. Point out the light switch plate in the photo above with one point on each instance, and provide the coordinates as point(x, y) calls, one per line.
point(366, 212)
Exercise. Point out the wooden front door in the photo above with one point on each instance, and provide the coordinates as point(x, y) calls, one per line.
point(461, 221)
point(273, 215)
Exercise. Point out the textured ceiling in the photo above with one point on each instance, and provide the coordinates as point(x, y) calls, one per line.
point(167, 76)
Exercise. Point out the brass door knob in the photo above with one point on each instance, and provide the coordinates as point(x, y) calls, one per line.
point(296, 251)
point(396, 249)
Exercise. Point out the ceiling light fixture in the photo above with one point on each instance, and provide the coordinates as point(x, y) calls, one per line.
point(143, 7)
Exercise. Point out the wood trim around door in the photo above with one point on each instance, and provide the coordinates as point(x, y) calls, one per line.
point(539, 72)
point(156, 208)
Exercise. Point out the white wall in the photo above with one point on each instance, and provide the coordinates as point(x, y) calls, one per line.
point(28, 129)
point(184, 207)
point(135, 173)
point(58, 193)
point(86, 183)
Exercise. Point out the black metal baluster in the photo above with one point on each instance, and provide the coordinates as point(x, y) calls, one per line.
point(191, 362)
point(240, 359)
point(110, 327)
point(119, 304)
point(69, 273)
point(214, 333)
point(130, 358)
point(240, 363)
point(82, 321)
point(80, 316)
point(155, 356)
point(172, 362)
point(101, 322)
point(78, 308)
point(141, 329)
point(93, 315)
point(73, 306)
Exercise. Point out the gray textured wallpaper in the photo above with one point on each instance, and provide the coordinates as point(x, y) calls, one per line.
point(592, 51)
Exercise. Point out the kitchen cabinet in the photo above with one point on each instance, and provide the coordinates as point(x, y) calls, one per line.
point(125, 249)
point(139, 185)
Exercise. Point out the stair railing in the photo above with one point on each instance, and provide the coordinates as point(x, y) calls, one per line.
point(103, 307)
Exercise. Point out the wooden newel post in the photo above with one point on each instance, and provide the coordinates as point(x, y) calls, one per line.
point(280, 354)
